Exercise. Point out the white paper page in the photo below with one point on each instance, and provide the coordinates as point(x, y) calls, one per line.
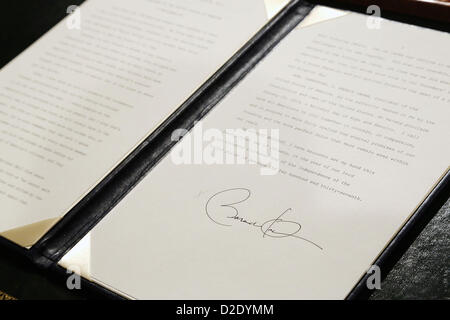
point(78, 101)
point(363, 118)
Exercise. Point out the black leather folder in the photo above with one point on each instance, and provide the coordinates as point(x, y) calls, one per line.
point(42, 258)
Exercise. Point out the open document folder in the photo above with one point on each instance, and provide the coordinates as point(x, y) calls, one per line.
point(363, 119)
point(78, 101)
point(351, 121)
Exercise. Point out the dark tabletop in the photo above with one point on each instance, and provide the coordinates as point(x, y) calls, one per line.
point(423, 272)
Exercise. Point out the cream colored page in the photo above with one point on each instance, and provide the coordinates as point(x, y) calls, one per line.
point(77, 102)
point(363, 124)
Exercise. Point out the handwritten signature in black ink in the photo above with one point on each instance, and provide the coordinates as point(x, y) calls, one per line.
point(221, 209)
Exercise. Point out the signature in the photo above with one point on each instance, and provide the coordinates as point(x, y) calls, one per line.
point(221, 209)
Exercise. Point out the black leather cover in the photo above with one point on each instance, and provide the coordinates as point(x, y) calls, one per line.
point(86, 214)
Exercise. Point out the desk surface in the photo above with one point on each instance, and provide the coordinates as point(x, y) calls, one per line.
point(423, 272)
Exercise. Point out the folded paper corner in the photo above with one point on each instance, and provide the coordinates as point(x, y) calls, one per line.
point(274, 6)
point(28, 235)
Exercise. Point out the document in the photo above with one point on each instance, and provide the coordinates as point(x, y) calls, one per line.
point(351, 125)
point(80, 99)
